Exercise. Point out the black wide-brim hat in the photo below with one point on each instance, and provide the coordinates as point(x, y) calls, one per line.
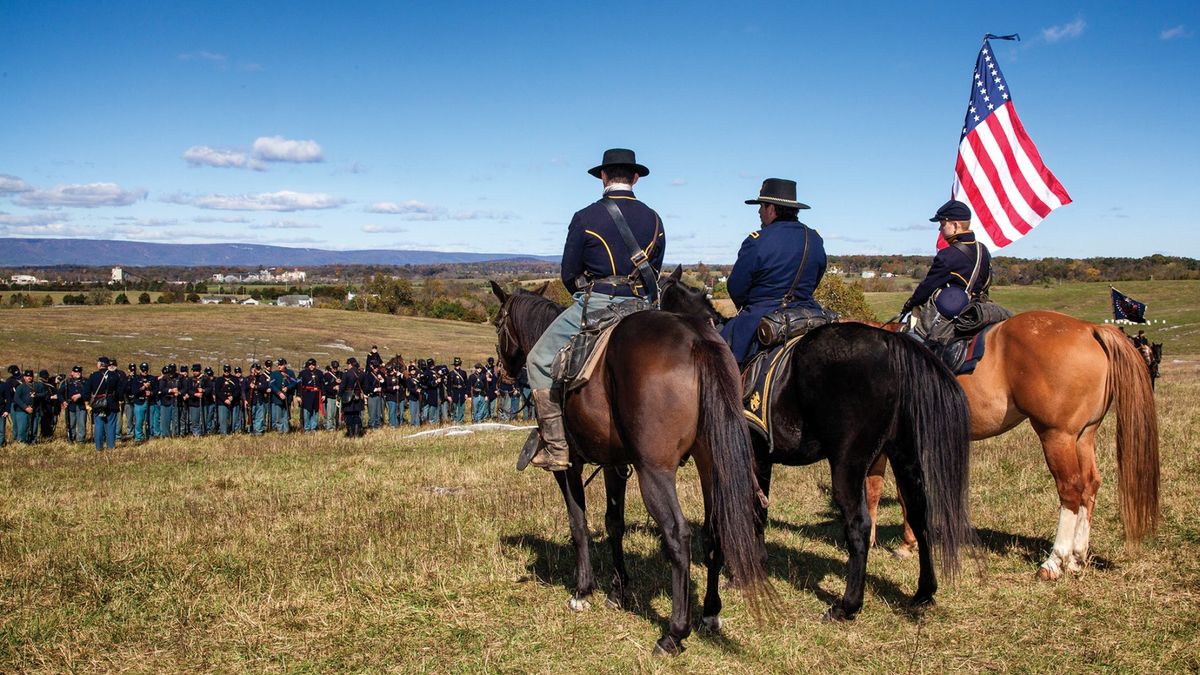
point(778, 191)
point(620, 157)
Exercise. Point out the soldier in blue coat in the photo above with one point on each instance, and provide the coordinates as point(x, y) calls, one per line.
point(412, 395)
point(595, 260)
point(7, 387)
point(74, 395)
point(767, 265)
point(310, 384)
point(331, 385)
point(282, 385)
point(353, 398)
point(22, 409)
point(104, 392)
point(960, 273)
point(137, 398)
point(168, 402)
point(457, 378)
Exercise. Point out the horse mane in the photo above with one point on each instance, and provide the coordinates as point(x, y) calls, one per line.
point(531, 314)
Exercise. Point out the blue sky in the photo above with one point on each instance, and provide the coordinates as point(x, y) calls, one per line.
point(470, 126)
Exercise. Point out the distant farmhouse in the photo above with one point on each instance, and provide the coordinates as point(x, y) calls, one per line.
point(218, 299)
point(25, 280)
point(263, 276)
point(294, 301)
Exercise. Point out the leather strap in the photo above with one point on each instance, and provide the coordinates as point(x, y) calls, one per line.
point(637, 256)
point(787, 298)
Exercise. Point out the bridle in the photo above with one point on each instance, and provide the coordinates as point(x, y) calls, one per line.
point(504, 335)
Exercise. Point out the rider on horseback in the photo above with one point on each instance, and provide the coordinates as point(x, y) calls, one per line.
point(598, 266)
point(785, 254)
point(960, 273)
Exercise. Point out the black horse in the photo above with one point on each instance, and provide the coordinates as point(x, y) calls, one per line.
point(848, 393)
point(667, 390)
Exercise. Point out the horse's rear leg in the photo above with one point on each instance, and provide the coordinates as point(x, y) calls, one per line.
point(849, 470)
point(875, 474)
point(1085, 449)
point(714, 556)
point(912, 495)
point(614, 524)
point(658, 491)
point(1061, 457)
point(570, 483)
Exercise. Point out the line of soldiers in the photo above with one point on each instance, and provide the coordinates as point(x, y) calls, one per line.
point(138, 405)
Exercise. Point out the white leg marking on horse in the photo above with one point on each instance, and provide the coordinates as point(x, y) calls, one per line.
point(1063, 539)
point(1083, 534)
point(712, 624)
point(578, 604)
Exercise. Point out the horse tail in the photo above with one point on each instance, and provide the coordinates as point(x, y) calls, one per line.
point(935, 417)
point(1137, 434)
point(724, 432)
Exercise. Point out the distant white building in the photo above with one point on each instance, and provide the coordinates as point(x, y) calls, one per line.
point(294, 301)
point(251, 301)
point(25, 280)
point(218, 299)
point(868, 274)
point(118, 275)
point(293, 277)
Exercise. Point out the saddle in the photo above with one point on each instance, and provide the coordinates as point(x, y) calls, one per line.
point(762, 374)
point(960, 343)
point(575, 363)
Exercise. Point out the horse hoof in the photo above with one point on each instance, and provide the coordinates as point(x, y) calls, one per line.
point(667, 647)
point(578, 605)
point(1047, 574)
point(834, 615)
point(904, 552)
point(711, 624)
point(1074, 566)
point(922, 600)
point(612, 603)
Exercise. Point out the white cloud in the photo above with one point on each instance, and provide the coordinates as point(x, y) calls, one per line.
point(203, 155)
point(409, 207)
point(212, 57)
point(679, 182)
point(914, 227)
point(1180, 31)
point(1064, 31)
point(284, 200)
point(415, 210)
point(280, 149)
point(372, 228)
point(11, 185)
point(83, 196)
point(41, 225)
point(291, 225)
point(221, 219)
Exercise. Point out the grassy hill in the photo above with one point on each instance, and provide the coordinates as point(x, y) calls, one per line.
point(56, 338)
point(1177, 302)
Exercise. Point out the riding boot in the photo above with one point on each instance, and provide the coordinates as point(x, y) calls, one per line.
point(553, 453)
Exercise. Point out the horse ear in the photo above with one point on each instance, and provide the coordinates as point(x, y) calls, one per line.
point(677, 274)
point(499, 292)
point(541, 290)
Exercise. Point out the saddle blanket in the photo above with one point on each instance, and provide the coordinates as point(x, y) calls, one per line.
point(759, 377)
point(963, 354)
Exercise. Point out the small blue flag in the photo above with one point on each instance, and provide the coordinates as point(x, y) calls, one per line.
point(1125, 307)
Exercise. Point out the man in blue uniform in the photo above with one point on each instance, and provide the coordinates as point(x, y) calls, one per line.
point(74, 395)
point(168, 402)
point(310, 395)
point(597, 261)
point(7, 388)
point(372, 386)
point(331, 385)
point(960, 273)
point(784, 259)
point(458, 390)
point(137, 399)
point(22, 407)
point(353, 398)
point(430, 386)
point(228, 395)
point(104, 390)
point(153, 406)
point(281, 389)
point(412, 394)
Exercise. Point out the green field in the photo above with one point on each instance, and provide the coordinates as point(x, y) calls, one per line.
point(317, 553)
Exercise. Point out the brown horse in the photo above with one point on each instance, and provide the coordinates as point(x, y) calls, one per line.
point(667, 389)
point(1063, 375)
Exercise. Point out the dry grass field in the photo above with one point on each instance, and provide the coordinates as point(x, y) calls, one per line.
point(393, 553)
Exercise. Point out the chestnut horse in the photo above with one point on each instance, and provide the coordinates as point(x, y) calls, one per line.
point(845, 396)
point(1063, 375)
point(666, 389)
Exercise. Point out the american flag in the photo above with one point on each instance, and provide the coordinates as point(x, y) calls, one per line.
point(999, 172)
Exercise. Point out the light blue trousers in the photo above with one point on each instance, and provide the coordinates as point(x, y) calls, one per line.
point(541, 357)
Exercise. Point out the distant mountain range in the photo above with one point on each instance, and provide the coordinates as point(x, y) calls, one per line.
point(21, 252)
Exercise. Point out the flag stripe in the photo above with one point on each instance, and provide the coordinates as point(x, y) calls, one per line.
point(1016, 181)
point(1031, 168)
point(985, 199)
point(1001, 204)
point(970, 192)
point(1043, 171)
